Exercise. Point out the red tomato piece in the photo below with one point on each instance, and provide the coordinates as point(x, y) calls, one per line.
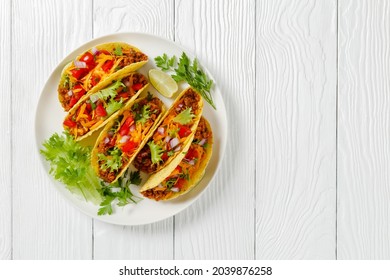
point(89, 59)
point(107, 65)
point(164, 156)
point(137, 86)
point(129, 147)
point(79, 73)
point(100, 111)
point(180, 183)
point(191, 154)
point(129, 121)
point(69, 123)
point(95, 80)
point(78, 91)
point(184, 131)
point(73, 101)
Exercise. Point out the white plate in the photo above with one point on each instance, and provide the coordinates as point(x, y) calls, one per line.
point(50, 115)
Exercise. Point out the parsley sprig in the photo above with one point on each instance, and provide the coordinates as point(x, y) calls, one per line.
point(119, 192)
point(188, 71)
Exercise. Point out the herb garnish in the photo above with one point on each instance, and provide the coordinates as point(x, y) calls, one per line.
point(188, 71)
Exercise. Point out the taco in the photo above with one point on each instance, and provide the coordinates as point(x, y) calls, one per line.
point(96, 68)
point(170, 138)
point(123, 136)
point(95, 109)
point(178, 179)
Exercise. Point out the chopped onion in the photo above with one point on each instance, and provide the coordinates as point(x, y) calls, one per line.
point(167, 139)
point(202, 142)
point(127, 83)
point(180, 105)
point(161, 130)
point(177, 149)
point(132, 128)
point(124, 139)
point(80, 64)
point(70, 93)
point(94, 98)
point(110, 133)
point(174, 189)
point(191, 162)
point(174, 142)
point(106, 140)
point(94, 50)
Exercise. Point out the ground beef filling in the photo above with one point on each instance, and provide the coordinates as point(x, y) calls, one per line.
point(132, 57)
point(143, 160)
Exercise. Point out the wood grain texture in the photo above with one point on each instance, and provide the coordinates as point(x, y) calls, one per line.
point(296, 129)
point(45, 226)
point(364, 120)
point(5, 127)
point(139, 242)
point(220, 225)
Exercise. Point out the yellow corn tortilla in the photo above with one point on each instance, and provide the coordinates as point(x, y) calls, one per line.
point(96, 89)
point(106, 79)
point(157, 178)
point(103, 133)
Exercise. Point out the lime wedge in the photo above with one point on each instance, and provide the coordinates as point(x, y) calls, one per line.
point(163, 82)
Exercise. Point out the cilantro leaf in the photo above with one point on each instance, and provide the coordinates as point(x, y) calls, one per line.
point(164, 62)
point(106, 207)
point(135, 178)
point(189, 72)
point(118, 50)
point(119, 192)
point(156, 152)
point(184, 117)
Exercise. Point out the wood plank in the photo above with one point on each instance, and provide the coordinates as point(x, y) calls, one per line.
point(5, 127)
point(296, 129)
point(153, 241)
point(45, 226)
point(220, 225)
point(364, 121)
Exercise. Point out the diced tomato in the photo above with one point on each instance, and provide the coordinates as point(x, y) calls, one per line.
point(123, 95)
point(129, 121)
point(89, 60)
point(125, 128)
point(78, 91)
point(112, 142)
point(89, 107)
point(180, 183)
point(137, 86)
point(129, 147)
point(191, 154)
point(95, 80)
point(164, 156)
point(100, 111)
point(73, 101)
point(178, 168)
point(184, 131)
point(79, 73)
point(107, 65)
point(69, 123)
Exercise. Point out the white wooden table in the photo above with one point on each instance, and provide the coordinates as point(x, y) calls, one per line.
point(306, 172)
